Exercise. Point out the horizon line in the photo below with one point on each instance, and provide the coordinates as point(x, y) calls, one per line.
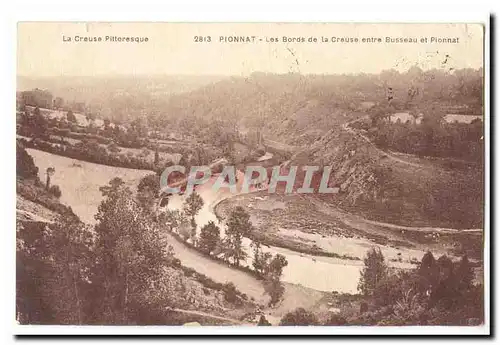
point(241, 75)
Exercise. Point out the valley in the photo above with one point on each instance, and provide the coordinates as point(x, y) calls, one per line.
point(400, 205)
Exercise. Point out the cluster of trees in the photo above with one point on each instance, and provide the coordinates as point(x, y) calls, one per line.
point(289, 105)
point(70, 273)
point(432, 137)
point(303, 317)
point(37, 126)
point(116, 272)
point(437, 292)
point(135, 136)
point(26, 169)
point(270, 269)
point(230, 249)
point(33, 124)
point(91, 151)
point(111, 273)
point(25, 165)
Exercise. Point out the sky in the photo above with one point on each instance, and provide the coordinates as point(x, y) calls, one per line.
point(43, 49)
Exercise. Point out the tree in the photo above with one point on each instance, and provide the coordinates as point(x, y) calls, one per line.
point(148, 191)
point(113, 148)
point(375, 271)
point(193, 205)
point(274, 289)
point(25, 165)
point(52, 265)
point(157, 156)
point(113, 185)
point(171, 218)
point(144, 153)
point(299, 317)
point(192, 233)
point(209, 237)
point(275, 268)
point(49, 172)
point(71, 117)
point(428, 272)
point(131, 256)
point(184, 230)
point(72, 242)
point(260, 259)
point(272, 275)
point(38, 124)
point(465, 274)
point(55, 191)
point(230, 293)
point(107, 123)
point(336, 320)
point(238, 226)
point(90, 117)
point(392, 288)
point(263, 321)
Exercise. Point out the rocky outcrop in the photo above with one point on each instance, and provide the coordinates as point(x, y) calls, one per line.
point(354, 166)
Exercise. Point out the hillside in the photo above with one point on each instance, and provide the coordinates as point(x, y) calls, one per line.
point(47, 229)
point(310, 114)
point(297, 109)
point(377, 185)
point(115, 97)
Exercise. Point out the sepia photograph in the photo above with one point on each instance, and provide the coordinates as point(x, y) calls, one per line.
point(251, 174)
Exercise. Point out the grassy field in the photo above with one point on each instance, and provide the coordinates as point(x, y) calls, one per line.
point(80, 181)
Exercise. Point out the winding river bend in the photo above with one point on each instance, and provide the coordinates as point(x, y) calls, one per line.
point(315, 272)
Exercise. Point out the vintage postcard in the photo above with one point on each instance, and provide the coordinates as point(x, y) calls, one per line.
point(251, 174)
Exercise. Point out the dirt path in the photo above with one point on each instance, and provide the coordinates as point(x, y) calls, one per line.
point(365, 224)
point(346, 127)
point(200, 313)
point(218, 271)
point(279, 146)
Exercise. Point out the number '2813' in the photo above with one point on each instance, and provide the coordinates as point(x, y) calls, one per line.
point(202, 39)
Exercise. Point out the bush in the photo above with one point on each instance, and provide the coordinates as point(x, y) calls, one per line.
point(230, 293)
point(25, 166)
point(263, 321)
point(299, 317)
point(336, 320)
point(36, 193)
point(274, 289)
point(375, 270)
point(55, 191)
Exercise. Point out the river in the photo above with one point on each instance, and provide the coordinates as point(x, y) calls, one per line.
point(315, 272)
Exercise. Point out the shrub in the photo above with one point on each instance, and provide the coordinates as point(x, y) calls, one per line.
point(336, 320)
point(25, 166)
point(375, 271)
point(274, 289)
point(55, 191)
point(263, 321)
point(299, 317)
point(230, 293)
